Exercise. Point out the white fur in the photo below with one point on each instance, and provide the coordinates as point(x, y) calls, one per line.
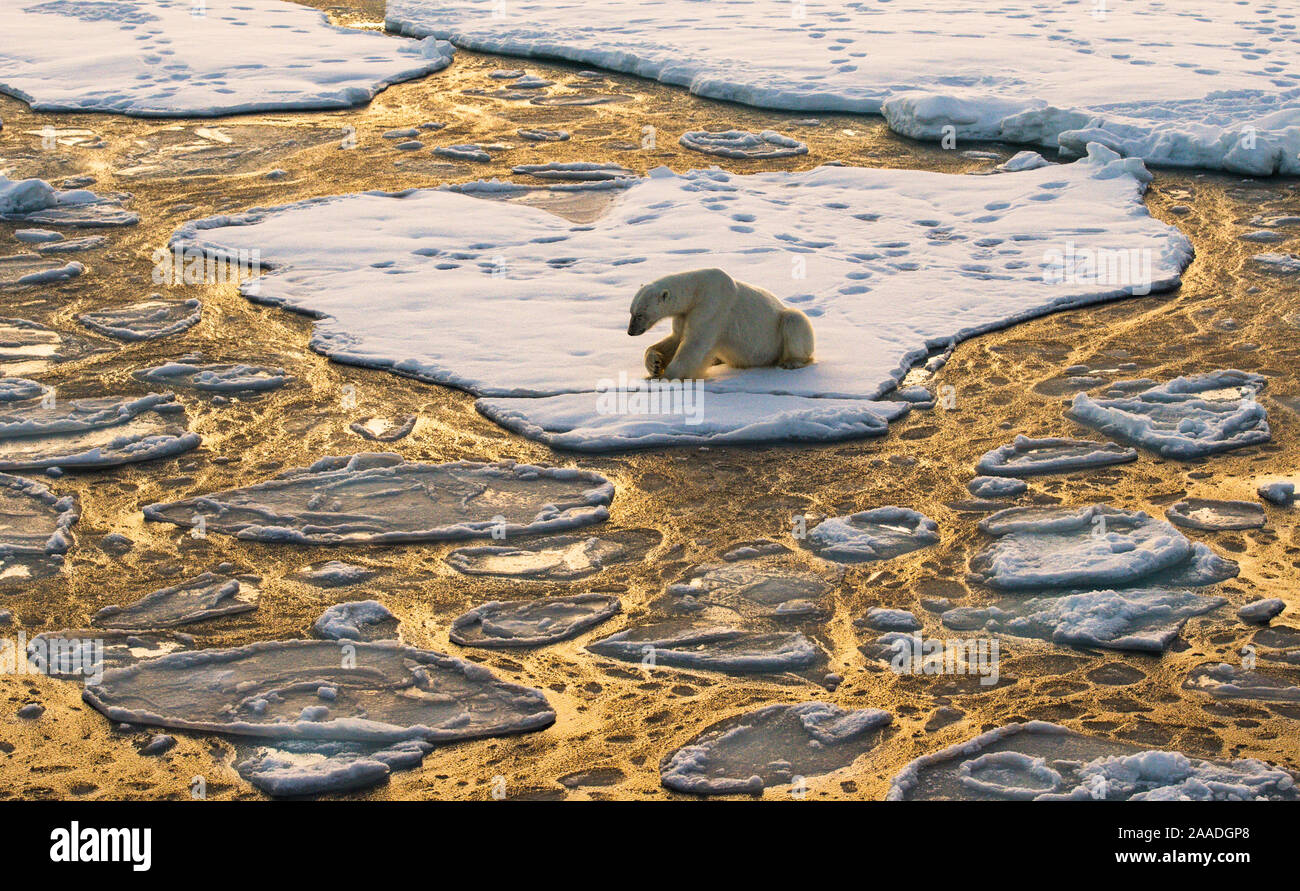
point(717, 319)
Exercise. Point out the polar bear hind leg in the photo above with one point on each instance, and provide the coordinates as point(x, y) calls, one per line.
point(796, 339)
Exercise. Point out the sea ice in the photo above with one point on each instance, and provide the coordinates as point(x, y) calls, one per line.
point(304, 692)
point(539, 135)
point(36, 201)
point(1189, 417)
point(27, 347)
point(1278, 264)
point(1215, 85)
point(72, 245)
point(878, 534)
point(148, 320)
point(1027, 457)
point(366, 620)
point(1279, 493)
point(557, 558)
point(743, 145)
point(752, 589)
point(709, 647)
point(574, 171)
point(465, 152)
point(1216, 516)
point(334, 574)
point(314, 767)
point(33, 520)
point(217, 378)
point(79, 654)
point(895, 262)
point(33, 269)
point(1091, 547)
point(1224, 681)
point(383, 429)
point(532, 623)
point(135, 57)
point(381, 499)
point(1039, 761)
point(997, 487)
point(1261, 612)
point(882, 619)
point(1134, 619)
point(207, 596)
point(94, 432)
point(772, 746)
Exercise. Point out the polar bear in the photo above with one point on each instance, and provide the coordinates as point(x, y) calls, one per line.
point(716, 320)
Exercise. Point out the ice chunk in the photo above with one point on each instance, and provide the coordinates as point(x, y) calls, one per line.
point(1088, 547)
point(878, 534)
point(319, 690)
point(218, 378)
point(72, 245)
point(36, 201)
point(207, 596)
point(1134, 619)
point(553, 558)
point(357, 620)
point(743, 145)
point(1039, 761)
point(1023, 161)
point(381, 499)
point(258, 55)
point(710, 647)
point(752, 589)
point(1224, 681)
point(997, 487)
point(147, 320)
point(465, 152)
point(1280, 493)
point(1214, 516)
point(33, 520)
point(1261, 612)
point(539, 135)
point(917, 273)
point(383, 429)
point(1189, 417)
point(334, 574)
point(92, 432)
point(532, 623)
point(1278, 264)
point(17, 389)
point(882, 619)
point(574, 171)
point(33, 269)
point(773, 746)
point(1167, 85)
point(316, 767)
point(1027, 457)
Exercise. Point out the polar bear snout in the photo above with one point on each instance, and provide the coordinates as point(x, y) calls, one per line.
point(637, 325)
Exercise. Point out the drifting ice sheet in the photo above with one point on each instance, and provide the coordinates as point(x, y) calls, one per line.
point(770, 747)
point(1215, 84)
point(752, 589)
point(381, 499)
point(1041, 762)
point(896, 262)
point(219, 378)
point(136, 57)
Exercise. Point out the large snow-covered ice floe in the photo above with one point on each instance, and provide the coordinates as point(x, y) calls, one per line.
point(532, 623)
point(772, 746)
point(93, 432)
point(529, 310)
point(136, 57)
point(1027, 457)
point(378, 498)
point(1093, 547)
point(328, 701)
point(1188, 417)
point(877, 534)
point(207, 596)
point(1215, 84)
point(36, 201)
point(33, 520)
point(1039, 761)
point(1133, 619)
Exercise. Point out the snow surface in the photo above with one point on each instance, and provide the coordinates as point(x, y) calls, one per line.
point(207, 596)
point(1040, 761)
point(1027, 457)
point(772, 746)
point(877, 534)
point(1188, 417)
point(531, 309)
point(1213, 83)
point(532, 623)
point(380, 499)
point(138, 57)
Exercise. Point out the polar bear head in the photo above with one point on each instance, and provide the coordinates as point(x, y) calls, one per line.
point(675, 295)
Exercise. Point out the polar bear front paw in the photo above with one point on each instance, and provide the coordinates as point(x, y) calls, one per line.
point(654, 363)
